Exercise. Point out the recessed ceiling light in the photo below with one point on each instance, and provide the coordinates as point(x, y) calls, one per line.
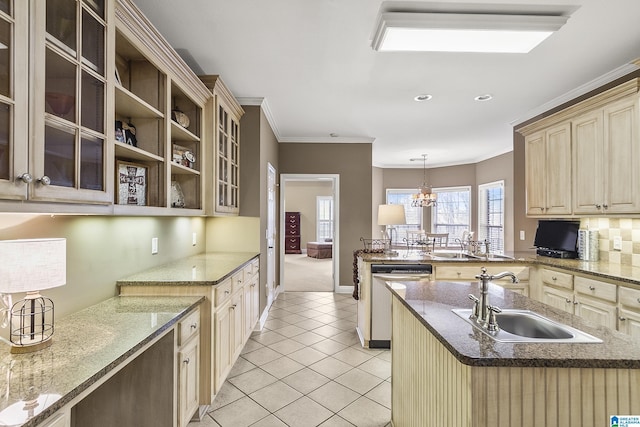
point(485, 97)
point(463, 32)
point(423, 97)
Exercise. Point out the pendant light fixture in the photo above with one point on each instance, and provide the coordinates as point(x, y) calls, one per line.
point(425, 198)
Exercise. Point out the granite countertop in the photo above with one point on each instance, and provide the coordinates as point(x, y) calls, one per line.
point(432, 302)
point(603, 269)
point(86, 346)
point(206, 269)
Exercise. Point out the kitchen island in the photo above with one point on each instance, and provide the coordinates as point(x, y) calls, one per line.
point(446, 372)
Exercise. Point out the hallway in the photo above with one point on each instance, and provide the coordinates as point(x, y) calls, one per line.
point(306, 368)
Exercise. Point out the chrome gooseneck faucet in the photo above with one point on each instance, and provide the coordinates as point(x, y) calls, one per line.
point(484, 313)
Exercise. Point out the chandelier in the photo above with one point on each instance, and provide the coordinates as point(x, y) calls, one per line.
point(425, 198)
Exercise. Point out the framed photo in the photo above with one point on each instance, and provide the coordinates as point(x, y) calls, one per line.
point(131, 182)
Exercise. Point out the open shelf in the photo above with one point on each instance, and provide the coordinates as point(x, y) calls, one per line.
point(126, 151)
point(177, 169)
point(179, 133)
point(129, 104)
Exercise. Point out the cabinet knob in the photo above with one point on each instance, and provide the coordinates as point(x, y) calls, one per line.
point(622, 319)
point(576, 303)
point(45, 180)
point(186, 361)
point(592, 288)
point(567, 300)
point(598, 206)
point(638, 300)
point(554, 278)
point(26, 178)
point(605, 206)
point(226, 292)
point(194, 325)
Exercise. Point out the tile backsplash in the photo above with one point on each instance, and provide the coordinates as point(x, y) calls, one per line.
point(608, 228)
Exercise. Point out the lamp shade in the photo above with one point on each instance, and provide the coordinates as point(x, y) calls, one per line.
point(391, 215)
point(32, 264)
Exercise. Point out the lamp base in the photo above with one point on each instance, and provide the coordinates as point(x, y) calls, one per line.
point(21, 349)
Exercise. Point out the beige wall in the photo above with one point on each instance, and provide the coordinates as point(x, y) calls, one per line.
point(101, 250)
point(301, 197)
point(352, 162)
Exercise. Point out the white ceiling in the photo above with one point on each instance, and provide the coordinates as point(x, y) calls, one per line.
point(312, 62)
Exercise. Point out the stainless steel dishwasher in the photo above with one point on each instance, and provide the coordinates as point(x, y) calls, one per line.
point(381, 296)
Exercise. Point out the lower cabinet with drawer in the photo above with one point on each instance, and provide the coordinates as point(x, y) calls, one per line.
point(629, 311)
point(236, 314)
point(188, 367)
point(468, 273)
point(591, 299)
point(229, 314)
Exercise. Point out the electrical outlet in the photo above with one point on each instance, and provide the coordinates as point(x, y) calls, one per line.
point(521, 234)
point(193, 239)
point(154, 245)
point(617, 243)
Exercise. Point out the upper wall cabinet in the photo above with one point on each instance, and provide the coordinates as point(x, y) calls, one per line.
point(548, 171)
point(583, 160)
point(98, 113)
point(53, 136)
point(607, 155)
point(223, 121)
point(159, 107)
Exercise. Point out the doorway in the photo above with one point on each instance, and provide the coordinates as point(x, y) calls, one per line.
point(311, 262)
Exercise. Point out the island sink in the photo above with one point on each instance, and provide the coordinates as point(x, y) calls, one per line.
point(525, 326)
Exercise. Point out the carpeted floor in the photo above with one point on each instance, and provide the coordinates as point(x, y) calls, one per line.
point(303, 273)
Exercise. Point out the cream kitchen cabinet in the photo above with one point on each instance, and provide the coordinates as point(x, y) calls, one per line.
point(54, 98)
point(629, 311)
point(588, 298)
point(229, 337)
point(251, 297)
point(158, 96)
point(548, 171)
point(188, 367)
point(606, 155)
point(583, 160)
point(223, 124)
point(467, 273)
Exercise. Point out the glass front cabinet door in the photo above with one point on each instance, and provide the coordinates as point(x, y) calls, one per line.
point(65, 147)
point(14, 90)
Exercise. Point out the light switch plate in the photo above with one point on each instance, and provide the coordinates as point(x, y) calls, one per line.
point(521, 234)
point(617, 243)
point(154, 245)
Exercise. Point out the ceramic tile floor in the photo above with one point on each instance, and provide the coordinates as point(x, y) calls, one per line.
point(306, 368)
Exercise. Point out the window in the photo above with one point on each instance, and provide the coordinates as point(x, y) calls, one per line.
point(324, 218)
point(491, 215)
point(452, 212)
point(413, 215)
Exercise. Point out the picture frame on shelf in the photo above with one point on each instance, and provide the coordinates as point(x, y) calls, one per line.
point(131, 181)
point(119, 132)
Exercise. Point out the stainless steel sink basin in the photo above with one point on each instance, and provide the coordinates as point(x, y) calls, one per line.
point(465, 256)
point(528, 327)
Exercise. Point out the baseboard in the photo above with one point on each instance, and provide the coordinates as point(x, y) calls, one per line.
point(263, 318)
point(344, 289)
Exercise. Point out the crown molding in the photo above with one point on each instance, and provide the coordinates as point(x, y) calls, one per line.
point(262, 103)
point(579, 91)
point(327, 139)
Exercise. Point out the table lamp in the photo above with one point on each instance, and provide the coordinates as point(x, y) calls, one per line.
point(390, 215)
point(30, 266)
